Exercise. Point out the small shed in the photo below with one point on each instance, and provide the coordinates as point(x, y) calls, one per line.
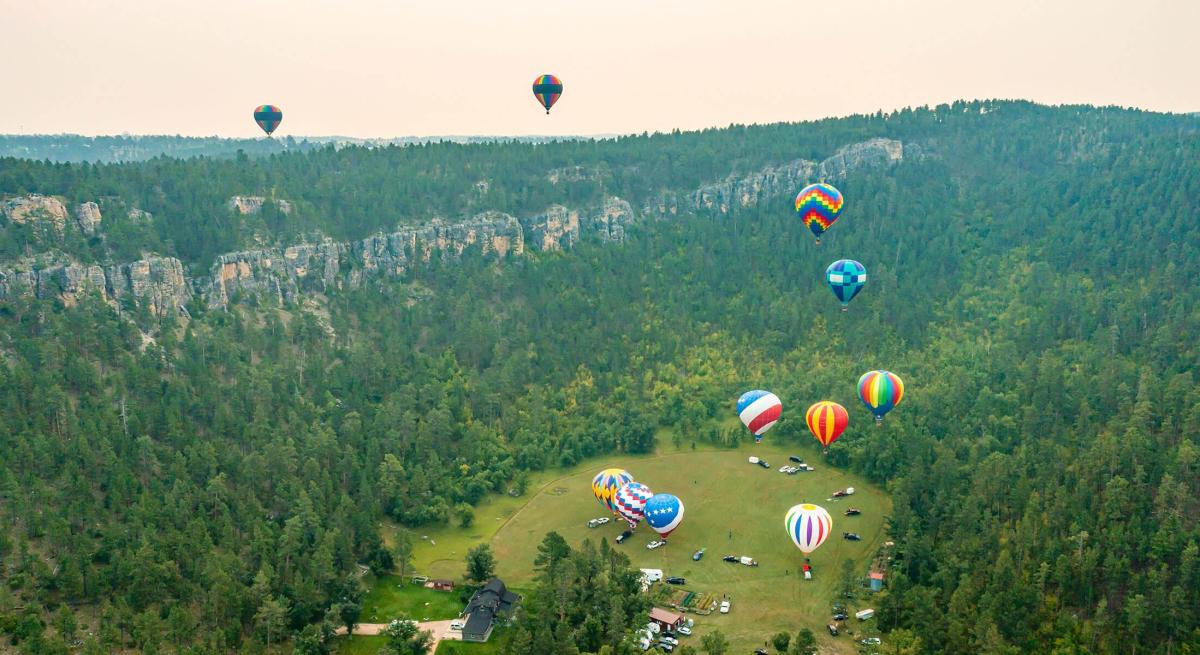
point(666, 619)
point(876, 580)
point(440, 585)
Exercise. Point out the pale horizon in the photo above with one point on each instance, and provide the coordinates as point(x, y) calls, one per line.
point(377, 69)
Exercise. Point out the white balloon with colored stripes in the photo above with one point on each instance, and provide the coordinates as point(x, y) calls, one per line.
point(808, 525)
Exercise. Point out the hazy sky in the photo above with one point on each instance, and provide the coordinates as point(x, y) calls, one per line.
point(395, 67)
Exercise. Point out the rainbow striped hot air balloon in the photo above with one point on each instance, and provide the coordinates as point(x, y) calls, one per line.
point(880, 391)
point(268, 117)
point(606, 484)
point(664, 513)
point(547, 89)
point(759, 411)
point(631, 502)
point(827, 420)
point(819, 206)
point(808, 525)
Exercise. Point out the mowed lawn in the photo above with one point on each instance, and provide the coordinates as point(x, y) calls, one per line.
point(361, 645)
point(731, 507)
point(391, 597)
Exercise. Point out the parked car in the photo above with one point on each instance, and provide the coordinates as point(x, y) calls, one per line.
point(870, 641)
point(691, 623)
point(655, 544)
point(841, 493)
point(653, 627)
point(624, 535)
point(665, 647)
point(853, 511)
point(457, 624)
point(796, 458)
point(595, 523)
point(724, 607)
point(832, 629)
point(840, 616)
point(784, 468)
point(851, 536)
point(764, 463)
point(752, 459)
point(669, 640)
point(863, 615)
point(732, 559)
point(748, 561)
point(697, 555)
point(761, 651)
point(676, 580)
point(684, 630)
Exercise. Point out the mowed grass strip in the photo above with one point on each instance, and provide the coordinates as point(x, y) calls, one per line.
point(731, 507)
point(390, 597)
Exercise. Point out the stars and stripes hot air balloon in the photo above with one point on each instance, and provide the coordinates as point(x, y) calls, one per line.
point(268, 117)
point(759, 410)
point(819, 206)
point(664, 513)
point(547, 89)
point(846, 278)
point(606, 484)
point(827, 420)
point(631, 502)
point(808, 525)
point(880, 391)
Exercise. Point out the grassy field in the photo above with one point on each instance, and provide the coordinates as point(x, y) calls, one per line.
point(732, 507)
point(370, 646)
point(391, 597)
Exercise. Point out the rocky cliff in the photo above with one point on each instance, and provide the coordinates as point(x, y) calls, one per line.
point(286, 273)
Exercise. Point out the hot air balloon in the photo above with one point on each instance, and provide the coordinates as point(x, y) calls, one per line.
point(664, 513)
point(808, 525)
point(819, 205)
point(846, 278)
point(880, 391)
point(827, 420)
point(606, 484)
point(547, 89)
point(759, 410)
point(631, 502)
point(268, 117)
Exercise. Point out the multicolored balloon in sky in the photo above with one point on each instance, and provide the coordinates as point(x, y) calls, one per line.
point(880, 391)
point(808, 525)
point(268, 117)
point(819, 206)
point(759, 411)
point(631, 502)
point(664, 513)
point(827, 420)
point(606, 484)
point(547, 89)
point(846, 278)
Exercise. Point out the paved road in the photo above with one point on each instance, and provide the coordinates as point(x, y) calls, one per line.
point(439, 629)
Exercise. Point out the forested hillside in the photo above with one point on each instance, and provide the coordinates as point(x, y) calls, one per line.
point(195, 483)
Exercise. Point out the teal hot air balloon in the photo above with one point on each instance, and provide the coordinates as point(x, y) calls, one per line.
point(268, 118)
point(846, 278)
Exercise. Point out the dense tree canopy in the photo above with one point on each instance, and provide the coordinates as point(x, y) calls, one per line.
point(207, 482)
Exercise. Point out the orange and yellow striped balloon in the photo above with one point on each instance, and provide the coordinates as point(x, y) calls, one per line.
point(827, 420)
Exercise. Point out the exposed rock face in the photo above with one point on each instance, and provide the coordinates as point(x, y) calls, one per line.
point(140, 216)
point(156, 282)
point(36, 209)
point(559, 227)
point(774, 181)
point(247, 205)
point(285, 273)
point(88, 217)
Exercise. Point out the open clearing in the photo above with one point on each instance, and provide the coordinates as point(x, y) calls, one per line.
point(731, 507)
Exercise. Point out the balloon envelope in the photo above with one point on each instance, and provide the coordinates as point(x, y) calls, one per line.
point(268, 117)
point(664, 513)
point(606, 484)
point(808, 525)
point(819, 206)
point(846, 278)
point(759, 411)
point(547, 89)
point(880, 391)
point(827, 420)
point(631, 502)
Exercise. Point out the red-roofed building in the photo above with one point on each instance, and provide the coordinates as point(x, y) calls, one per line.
point(666, 619)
